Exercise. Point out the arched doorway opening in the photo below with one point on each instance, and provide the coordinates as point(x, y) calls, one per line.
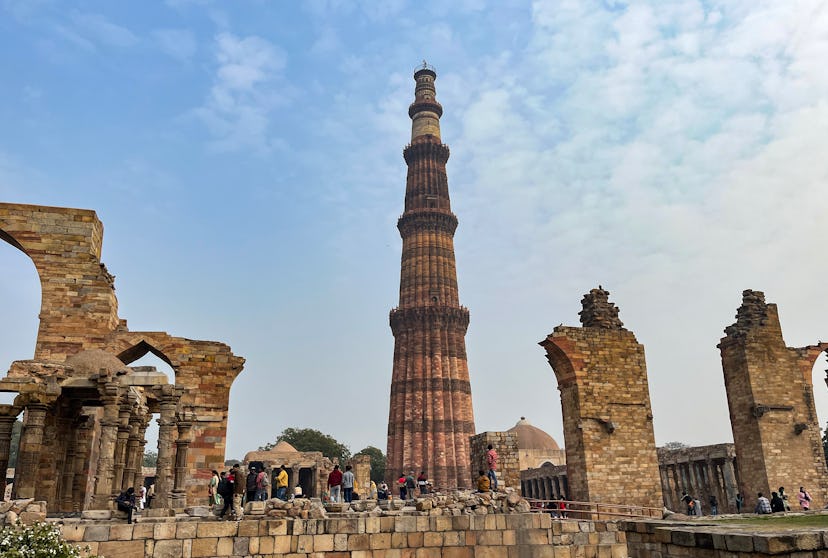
point(819, 373)
point(145, 356)
point(20, 298)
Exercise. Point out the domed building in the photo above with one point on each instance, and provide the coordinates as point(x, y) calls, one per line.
point(535, 447)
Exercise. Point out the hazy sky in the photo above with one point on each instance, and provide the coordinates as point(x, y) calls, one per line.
point(246, 160)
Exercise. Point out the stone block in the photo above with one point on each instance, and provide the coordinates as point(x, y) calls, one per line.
point(458, 552)
point(143, 530)
point(186, 530)
point(156, 513)
point(217, 529)
point(281, 544)
point(240, 546)
point(96, 533)
point(683, 538)
point(164, 530)
point(168, 549)
point(121, 532)
point(254, 508)
point(266, 545)
point(273, 527)
point(359, 541)
point(98, 515)
point(248, 529)
point(414, 540)
point(198, 511)
point(224, 547)
point(204, 547)
point(399, 540)
point(72, 533)
point(431, 538)
point(739, 543)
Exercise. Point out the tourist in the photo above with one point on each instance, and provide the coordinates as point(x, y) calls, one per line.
point(688, 502)
point(252, 475)
point(697, 507)
point(212, 489)
point(483, 483)
point(282, 484)
point(410, 484)
point(777, 504)
point(334, 482)
point(225, 490)
point(401, 485)
point(784, 498)
point(714, 505)
point(150, 494)
point(382, 491)
point(372, 490)
point(142, 501)
point(262, 484)
point(422, 483)
point(126, 502)
point(491, 461)
point(740, 501)
point(804, 499)
point(551, 507)
point(562, 506)
point(762, 505)
point(348, 484)
point(238, 492)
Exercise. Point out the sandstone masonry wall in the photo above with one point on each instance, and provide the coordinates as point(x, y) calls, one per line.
point(490, 536)
point(608, 420)
point(770, 398)
point(506, 446)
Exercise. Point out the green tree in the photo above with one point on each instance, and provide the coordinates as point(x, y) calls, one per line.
point(308, 439)
point(150, 458)
point(675, 445)
point(377, 463)
point(15, 443)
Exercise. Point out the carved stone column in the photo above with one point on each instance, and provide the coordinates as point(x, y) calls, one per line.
point(169, 398)
point(134, 448)
point(122, 437)
point(8, 416)
point(83, 434)
point(68, 474)
point(105, 475)
point(138, 479)
point(730, 482)
point(182, 446)
point(28, 455)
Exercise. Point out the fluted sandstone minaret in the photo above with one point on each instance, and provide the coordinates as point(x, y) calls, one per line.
point(431, 416)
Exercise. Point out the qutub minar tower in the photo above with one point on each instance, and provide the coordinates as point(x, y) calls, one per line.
point(431, 415)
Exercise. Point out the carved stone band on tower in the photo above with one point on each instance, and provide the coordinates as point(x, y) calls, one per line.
point(431, 416)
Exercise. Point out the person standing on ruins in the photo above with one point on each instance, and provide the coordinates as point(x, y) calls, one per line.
point(238, 491)
point(282, 484)
point(262, 484)
point(334, 482)
point(348, 484)
point(491, 461)
point(804, 499)
point(212, 489)
point(740, 501)
point(784, 498)
point(251, 484)
point(714, 505)
point(422, 483)
point(225, 490)
point(777, 505)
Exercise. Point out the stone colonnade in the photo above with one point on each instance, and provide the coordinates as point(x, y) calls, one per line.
point(545, 483)
point(113, 457)
point(702, 472)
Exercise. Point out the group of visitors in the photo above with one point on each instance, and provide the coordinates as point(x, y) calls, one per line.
point(234, 488)
point(779, 501)
point(341, 485)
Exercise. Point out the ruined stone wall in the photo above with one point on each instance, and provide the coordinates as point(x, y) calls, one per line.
point(608, 420)
point(78, 306)
point(491, 536)
point(506, 446)
point(770, 399)
point(79, 311)
point(702, 472)
point(656, 539)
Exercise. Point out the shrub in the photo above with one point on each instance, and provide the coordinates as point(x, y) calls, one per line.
point(40, 540)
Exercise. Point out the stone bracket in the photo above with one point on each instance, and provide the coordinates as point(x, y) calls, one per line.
point(759, 410)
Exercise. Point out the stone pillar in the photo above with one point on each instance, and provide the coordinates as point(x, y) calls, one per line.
point(730, 483)
point(607, 417)
point(169, 398)
point(8, 416)
point(28, 455)
point(182, 445)
point(122, 438)
point(134, 452)
point(68, 474)
point(83, 434)
point(105, 474)
point(138, 480)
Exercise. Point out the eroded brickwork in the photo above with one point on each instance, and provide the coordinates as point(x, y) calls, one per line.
point(508, 459)
point(430, 418)
point(605, 397)
point(79, 314)
point(770, 398)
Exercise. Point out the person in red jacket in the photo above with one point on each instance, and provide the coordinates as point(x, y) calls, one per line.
point(334, 482)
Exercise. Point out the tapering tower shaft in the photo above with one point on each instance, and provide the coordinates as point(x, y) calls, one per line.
point(431, 415)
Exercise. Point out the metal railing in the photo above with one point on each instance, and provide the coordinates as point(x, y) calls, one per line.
point(592, 510)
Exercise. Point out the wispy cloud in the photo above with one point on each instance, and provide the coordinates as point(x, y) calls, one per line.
point(245, 92)
point(181, 44)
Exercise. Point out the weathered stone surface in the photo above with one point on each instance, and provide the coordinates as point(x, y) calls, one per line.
point(608, 420)
point(198, 511)
point(429, 324)
point(770, 397)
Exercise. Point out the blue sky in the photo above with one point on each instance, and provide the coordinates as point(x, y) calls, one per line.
point(246, 161)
